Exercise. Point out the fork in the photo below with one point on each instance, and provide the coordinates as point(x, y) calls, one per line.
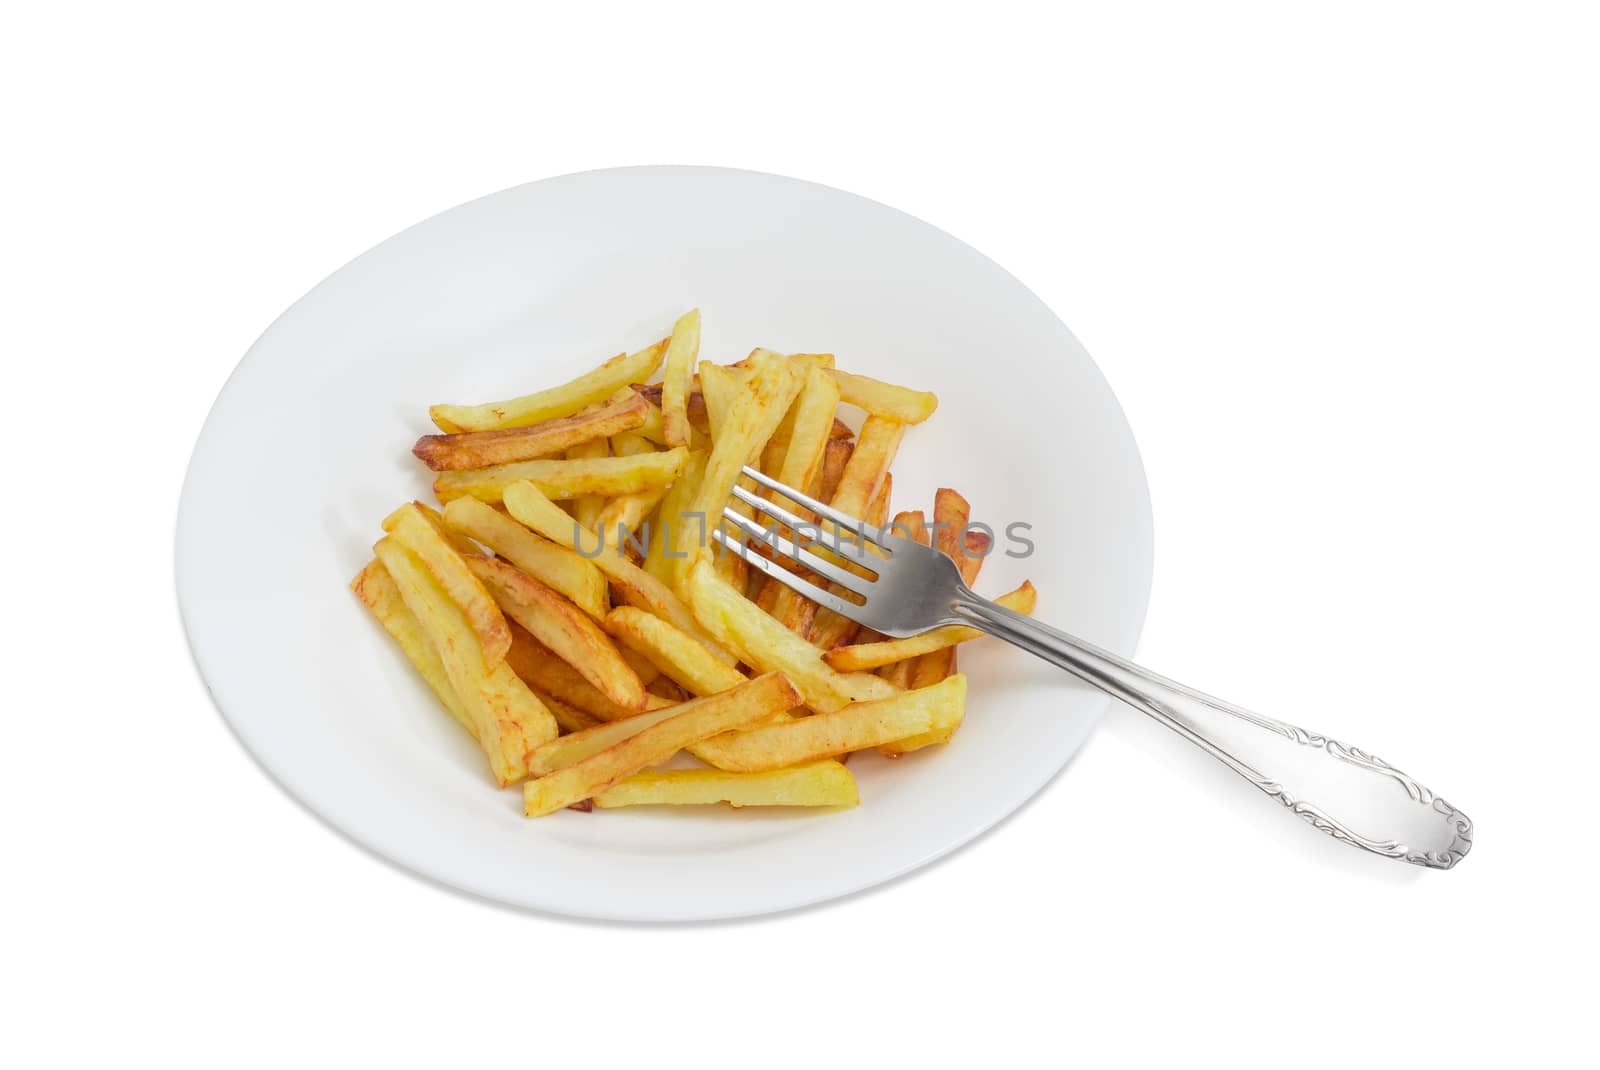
point(915, 588)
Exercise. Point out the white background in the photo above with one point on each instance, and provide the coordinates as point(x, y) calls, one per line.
point(1338, 262)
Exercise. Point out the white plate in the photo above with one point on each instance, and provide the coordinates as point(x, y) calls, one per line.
point(307, 449)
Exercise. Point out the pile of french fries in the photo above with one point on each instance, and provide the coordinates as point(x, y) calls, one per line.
point(572, 615)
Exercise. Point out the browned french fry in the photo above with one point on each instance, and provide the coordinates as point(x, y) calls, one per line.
point(950, 515)
point(834, 460)
point(548, 674)
point(604, 476)
point(869, 464)
point(510, 719)
point(683, 350)
point(568, 718)
point(850, 728)
point(480, 449)
point(871, 655)
point(377, 590)
point(755, 411)
point(635, 585)
point(767, 645)
point(563, 628)
point(885, 399)
point(415, 530)
point(693, 721)
point(556, 566)
point(552, 404)
point(679, 655)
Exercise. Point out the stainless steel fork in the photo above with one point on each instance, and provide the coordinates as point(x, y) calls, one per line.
point(915, 588)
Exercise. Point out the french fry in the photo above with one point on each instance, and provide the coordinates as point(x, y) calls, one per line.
point(555, 566)
point(415, 530)
point(638, 588)
point(885, 399)
point(563, 628)
point(851, 728)
point(834, 460)
point(683, 350)
point(818, 784)
point(511, 720)
point(768, 646)
point(480, 449)
point(568, 718)
point(863, 476)
point(643, 667)
point(950, 516)
point(871, 655)
point(829, 629)
point(752, 416)
point(586, 507)
point(552, 404)
point(547, 674)
point(463, 545)
point(694, 408)
point(377, 590)
point(678, 655)
point(672, 525)
point(719, 385)
point(797, 459)
point(574, 747)
point(605, 476)
point(693, 721)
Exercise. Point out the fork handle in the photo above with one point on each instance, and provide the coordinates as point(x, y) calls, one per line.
point(1398, 817)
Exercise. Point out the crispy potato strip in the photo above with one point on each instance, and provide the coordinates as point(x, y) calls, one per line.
point(596, 476)
point(416, 531)
point(556, 566)
point(871, 655)
point(678, 655)
point(552, 404)
point(563, 628)
point(548, 674)
point(636, 586)
point(377, 590)
point(683, 350)
point(885, 399)
point(510, 718)
point(818, 784)
point(690, 722)
point(767, 645)
point(480, 449)
point(854, 727)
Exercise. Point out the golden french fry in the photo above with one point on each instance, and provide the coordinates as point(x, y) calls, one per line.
point(818, 784)
point(377, 590)
point(868, 466)
point(415, 530)
point(849, 728)
point(642, 666)
point(552, 404)
point(605, 476)
point(568, 718)
point(463, 545)
point(798, 458)
point(574, 747)
point(586, 507)
point(480, 449)
point(834, 460)
point(768, 646)
point(871, 655)
point(547, 674)
point(885, 399)
point(563, 628)
point(683, 350)
point(680, 656)
point(638, 588)
point(755, 411)
point(556, 566)
point(511, 720)
point(719, 385)
point(950, 516)
point(663, 557)
point(693, 721)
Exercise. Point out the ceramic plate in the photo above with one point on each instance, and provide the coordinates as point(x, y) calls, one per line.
point(308, 448)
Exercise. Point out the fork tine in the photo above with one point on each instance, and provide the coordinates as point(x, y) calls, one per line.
point(843, 547)
point(794, 552)
point(788, 579)
point(844, 520)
